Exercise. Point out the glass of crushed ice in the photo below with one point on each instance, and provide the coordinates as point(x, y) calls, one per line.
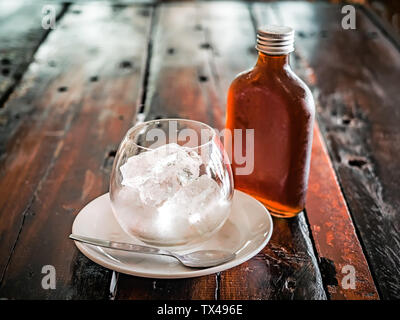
point(171, 183)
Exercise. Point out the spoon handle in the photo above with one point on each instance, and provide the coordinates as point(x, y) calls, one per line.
point(119, 245)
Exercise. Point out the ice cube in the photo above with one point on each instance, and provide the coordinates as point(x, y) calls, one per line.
point(199, 204)
point(160, 173)
point(164, 199)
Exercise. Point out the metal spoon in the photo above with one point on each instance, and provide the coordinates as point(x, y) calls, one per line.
point(197, 259)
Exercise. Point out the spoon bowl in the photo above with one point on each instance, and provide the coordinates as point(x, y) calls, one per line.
point(205, 258)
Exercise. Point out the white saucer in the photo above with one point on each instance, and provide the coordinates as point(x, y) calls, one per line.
point(246, 232)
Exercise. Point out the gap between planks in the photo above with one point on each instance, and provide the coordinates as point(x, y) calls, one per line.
point(140, 116)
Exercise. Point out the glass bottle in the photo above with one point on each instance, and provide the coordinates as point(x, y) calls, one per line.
point(278, 105)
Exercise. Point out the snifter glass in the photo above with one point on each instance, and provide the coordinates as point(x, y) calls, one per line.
point(171, 183)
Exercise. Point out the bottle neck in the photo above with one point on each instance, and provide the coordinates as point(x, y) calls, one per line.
point(272, 62)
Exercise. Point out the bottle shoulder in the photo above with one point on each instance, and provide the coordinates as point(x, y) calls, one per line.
point(284, 85)
point(242, 77)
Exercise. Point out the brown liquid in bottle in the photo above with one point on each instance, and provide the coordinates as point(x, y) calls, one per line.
point(274, 102)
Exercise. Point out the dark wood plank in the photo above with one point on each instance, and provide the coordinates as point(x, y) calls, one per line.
point(21, 33)
point(354, 74)
point(285, 269)
point(197, 50)
point(73, 113)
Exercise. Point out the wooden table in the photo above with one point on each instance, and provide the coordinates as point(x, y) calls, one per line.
point(68, 95)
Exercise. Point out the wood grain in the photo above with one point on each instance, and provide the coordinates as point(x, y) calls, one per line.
point(354, 75)
point(286, 269)
point(73, 113)
point(386, 15)
point(180, 81)
point(333, 231)
point(197, 50)
point(21, 33)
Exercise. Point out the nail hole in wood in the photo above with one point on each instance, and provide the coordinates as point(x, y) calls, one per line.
point(94, 78)
point(205, 46)
point(18, 76)
point(62, 89)
point(198, 27)
point(324, 33)
point(357, 162)
point(301, 34)
point(112, 153)
point(125, 65)
point(118, 6)
point(372, 35)
point(346, 120)
point(145, 13)
point(5, 62)
point(171, 51)
point(121, 117)
point(203, 78)
point(5, 72)
point(252, 50)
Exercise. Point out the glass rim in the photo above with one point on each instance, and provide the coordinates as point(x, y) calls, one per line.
point(146, 123)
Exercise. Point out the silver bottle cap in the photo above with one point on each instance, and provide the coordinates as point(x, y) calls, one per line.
point(275, 40)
